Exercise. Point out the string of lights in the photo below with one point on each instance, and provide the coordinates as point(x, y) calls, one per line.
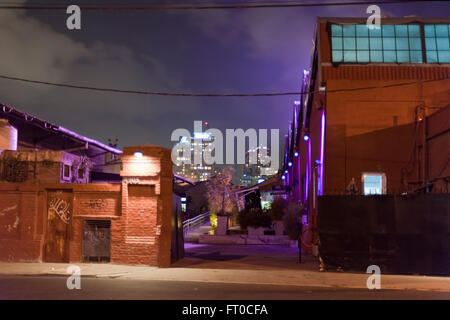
point(204, 6)
point(187, 94)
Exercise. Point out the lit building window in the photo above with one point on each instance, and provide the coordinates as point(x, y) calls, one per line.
point(388, 44)
point(374, 183)
point(66, 171)
point(437, 43)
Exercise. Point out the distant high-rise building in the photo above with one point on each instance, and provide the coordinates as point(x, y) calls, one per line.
point(198, 144)
point(258, 172)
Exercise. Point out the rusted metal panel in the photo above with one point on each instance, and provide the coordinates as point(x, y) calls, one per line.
point(59, 216)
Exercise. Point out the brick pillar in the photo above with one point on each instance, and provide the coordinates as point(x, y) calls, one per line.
point(145, 226)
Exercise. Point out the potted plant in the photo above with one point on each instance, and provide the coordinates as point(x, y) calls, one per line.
point(254, 220)
point(276, 213)
point(222, 223)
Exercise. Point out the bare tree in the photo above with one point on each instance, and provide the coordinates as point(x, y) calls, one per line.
point(220, 195)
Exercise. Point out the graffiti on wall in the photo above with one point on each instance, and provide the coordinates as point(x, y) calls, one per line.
point(8, 209)
point(95, 204)
point(8, 213)
point(61, 208)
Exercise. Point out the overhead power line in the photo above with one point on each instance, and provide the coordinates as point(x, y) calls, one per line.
point(201, 6)
point(187, 94)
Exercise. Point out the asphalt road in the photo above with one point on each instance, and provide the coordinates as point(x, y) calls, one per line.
point(54, 288)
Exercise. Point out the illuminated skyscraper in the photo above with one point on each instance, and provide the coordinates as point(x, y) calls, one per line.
point(256, 173)
point(198, 144)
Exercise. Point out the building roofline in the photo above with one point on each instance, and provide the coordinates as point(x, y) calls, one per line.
point(183, 179)
point(385, 20)
point(4, 109)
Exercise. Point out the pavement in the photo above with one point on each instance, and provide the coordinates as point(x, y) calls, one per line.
point(243, 264)
point(55, 288)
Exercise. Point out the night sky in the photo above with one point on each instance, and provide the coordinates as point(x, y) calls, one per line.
point(208, 51)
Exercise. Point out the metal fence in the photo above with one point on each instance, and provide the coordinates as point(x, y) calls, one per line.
point(195, 222)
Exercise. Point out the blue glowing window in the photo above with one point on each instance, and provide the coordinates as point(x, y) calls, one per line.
point(437, 43)
point(388, 44)
point(362, 43)
point(376, 56)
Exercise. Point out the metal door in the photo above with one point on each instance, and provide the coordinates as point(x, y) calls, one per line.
point(97, 240)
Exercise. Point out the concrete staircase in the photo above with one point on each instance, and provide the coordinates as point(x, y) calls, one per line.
point(193, 235)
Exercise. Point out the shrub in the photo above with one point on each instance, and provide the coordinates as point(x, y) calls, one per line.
point(277, 209)
point(291, 220)
point(254, 218)
point(213, 219)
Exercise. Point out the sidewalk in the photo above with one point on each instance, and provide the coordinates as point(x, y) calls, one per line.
point(216, 264)
point(270, 277)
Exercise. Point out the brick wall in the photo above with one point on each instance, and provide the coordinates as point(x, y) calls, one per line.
point(372, 130)
point(139, 209)
point(40, 166)
point(19, 220)
point(144, 232)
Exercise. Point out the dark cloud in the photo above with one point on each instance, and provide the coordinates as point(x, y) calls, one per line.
point(226, 51)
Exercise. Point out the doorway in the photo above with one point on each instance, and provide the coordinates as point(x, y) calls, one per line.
point(59, 216)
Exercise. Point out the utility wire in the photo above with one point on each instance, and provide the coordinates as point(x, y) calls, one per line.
point(187, 94)
point(202, 6)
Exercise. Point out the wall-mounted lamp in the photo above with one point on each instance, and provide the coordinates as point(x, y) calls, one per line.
point(286, 171)
point(283, 177)
point(295, 154)
point(305, 137)
point(138, 154)
point(290, 164)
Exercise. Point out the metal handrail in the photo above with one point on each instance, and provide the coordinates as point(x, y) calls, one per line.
point(194, 222)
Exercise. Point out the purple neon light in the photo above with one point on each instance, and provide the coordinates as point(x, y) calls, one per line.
point(299, 180)
point(88, 140)
point(308, 171)
point(322, 146)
